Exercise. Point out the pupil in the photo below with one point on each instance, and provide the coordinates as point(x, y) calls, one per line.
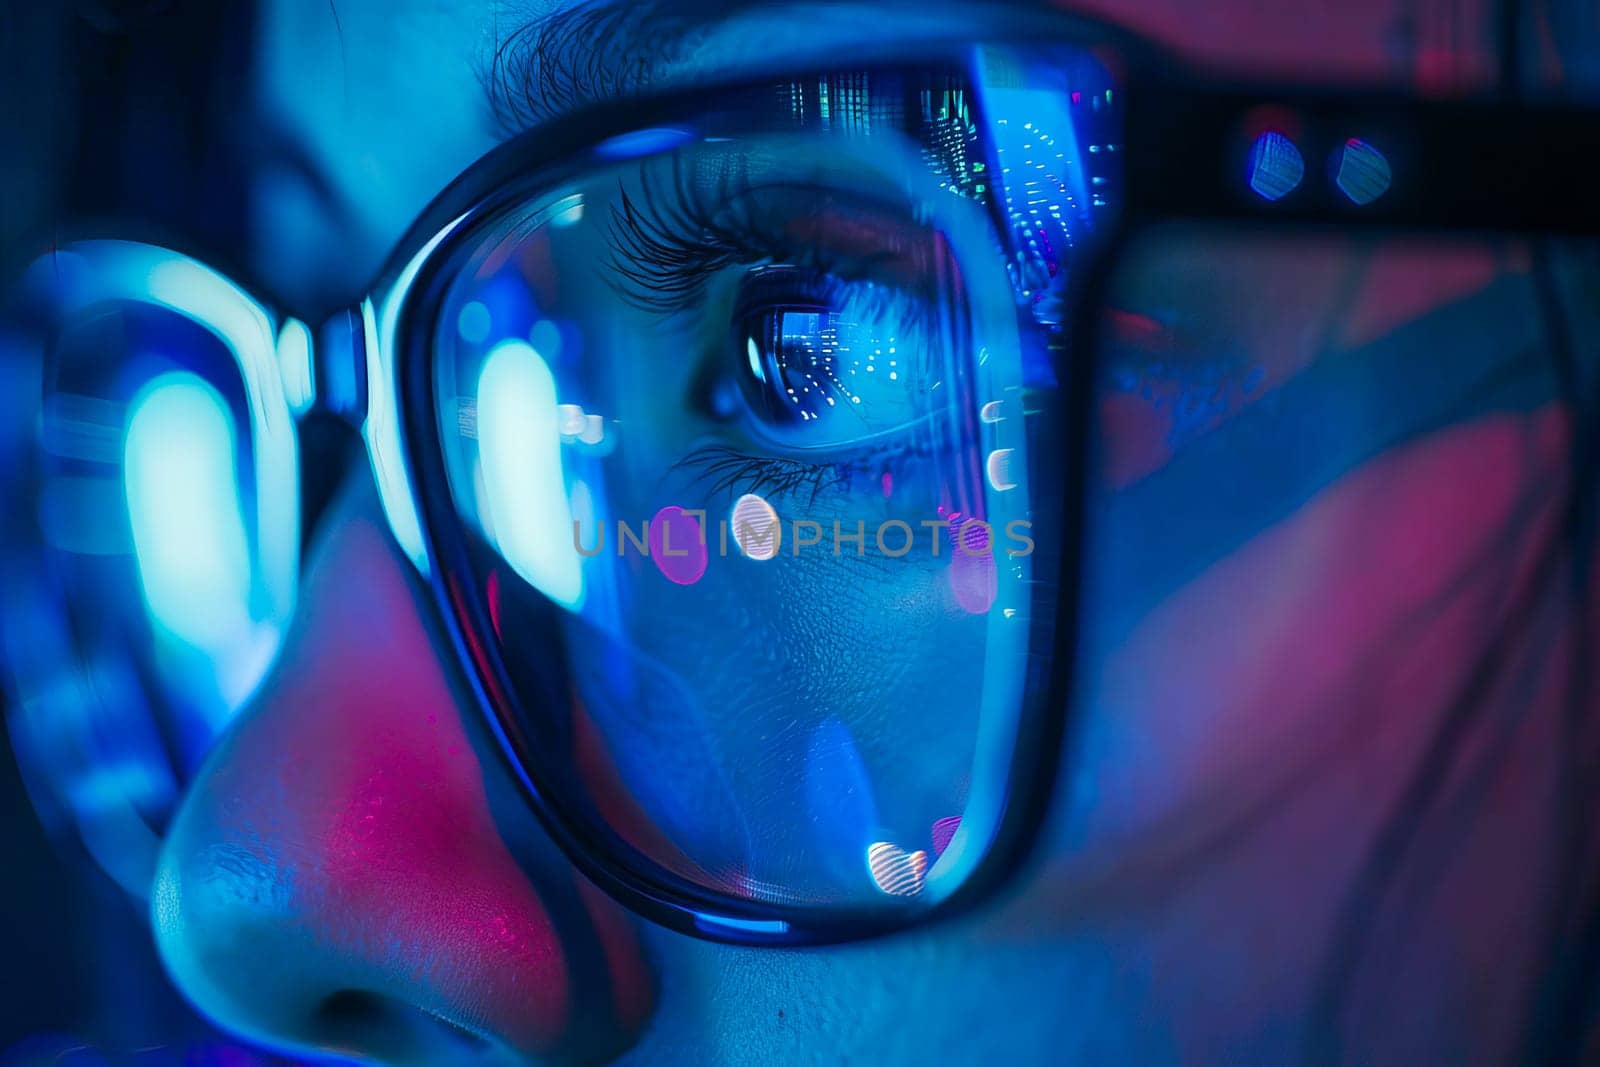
point(790, 356)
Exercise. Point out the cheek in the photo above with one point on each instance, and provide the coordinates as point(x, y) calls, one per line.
point(1354, 619)
point(974, 998)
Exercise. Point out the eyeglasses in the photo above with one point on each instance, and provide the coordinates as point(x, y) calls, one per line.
point(745, 437)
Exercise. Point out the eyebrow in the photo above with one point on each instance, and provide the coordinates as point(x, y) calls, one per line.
point(591, 52)
point(554, 63)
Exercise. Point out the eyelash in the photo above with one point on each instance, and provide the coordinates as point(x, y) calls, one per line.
point(666, 245)
point(726, 469)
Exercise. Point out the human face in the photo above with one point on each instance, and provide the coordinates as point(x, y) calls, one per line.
point(354, 869)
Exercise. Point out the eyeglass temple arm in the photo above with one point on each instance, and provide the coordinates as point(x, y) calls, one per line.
point(1457, 165)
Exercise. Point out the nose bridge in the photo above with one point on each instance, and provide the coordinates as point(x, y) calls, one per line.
point(336, 366)
point(348, 372)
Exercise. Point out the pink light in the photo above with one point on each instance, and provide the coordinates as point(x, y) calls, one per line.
point(678, 546)
point(492, 594)
point(972, 577)
point(896, 871)
point(943, 830)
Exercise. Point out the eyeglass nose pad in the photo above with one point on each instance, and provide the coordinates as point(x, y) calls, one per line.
point(327, 374)
point(332, 374)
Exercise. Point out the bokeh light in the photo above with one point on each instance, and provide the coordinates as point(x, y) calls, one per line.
point(756, 527)
point(1363, 173)
point(897, 872)
point(1276, 166)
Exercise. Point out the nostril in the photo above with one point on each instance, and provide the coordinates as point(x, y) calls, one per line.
point(367, 1024)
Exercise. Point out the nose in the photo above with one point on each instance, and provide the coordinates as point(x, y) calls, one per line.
point(352, 873)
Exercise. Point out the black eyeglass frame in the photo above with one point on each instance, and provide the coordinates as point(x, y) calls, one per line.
point(540, 161)
point(1184, 144)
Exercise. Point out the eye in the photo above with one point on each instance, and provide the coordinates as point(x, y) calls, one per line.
point(822, 363)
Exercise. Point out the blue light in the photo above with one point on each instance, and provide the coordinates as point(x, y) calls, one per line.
point(1042, 174)
point(474, 323)
point(519, 437)
point(1276, 166)
point(184, 507)
point(712, 924)
point(128, 270)
point(546, 337)
point(193, 499)
point(567, 212)
point(294, 363)
point(1363, 173)
point(643, 143)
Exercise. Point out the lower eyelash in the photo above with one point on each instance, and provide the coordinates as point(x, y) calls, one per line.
point(725, 469)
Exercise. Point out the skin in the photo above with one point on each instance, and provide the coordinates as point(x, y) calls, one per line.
point(353, 870)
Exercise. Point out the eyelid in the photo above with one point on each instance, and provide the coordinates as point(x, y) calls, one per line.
point(668, 239)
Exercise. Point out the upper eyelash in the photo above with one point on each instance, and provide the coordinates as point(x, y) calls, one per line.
point(668, 240)
point(666, 244)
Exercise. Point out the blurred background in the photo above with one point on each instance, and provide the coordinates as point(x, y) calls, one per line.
point(109, 109)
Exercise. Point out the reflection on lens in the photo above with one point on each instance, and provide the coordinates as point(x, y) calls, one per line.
point(474, 322)
point(294, 363)
point(790, 410)
point(973, 580)
point(145, 604)
point(1276, 166)
point(999, 466)
point(1363, 173)
point(524, 491)
point(756, 527)
point(943, 831)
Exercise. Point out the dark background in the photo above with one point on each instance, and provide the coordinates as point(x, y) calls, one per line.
point(109, 109)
